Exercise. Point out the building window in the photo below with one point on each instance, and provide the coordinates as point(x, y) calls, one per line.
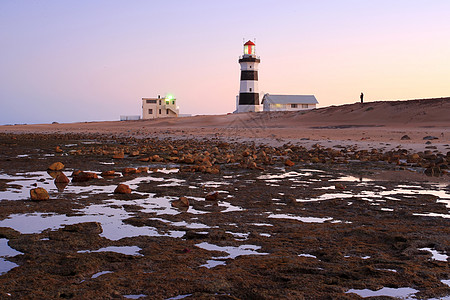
point(160, 111)
point(159, 102)
point(250, 67)
point(167, 111)
point(250, 89)
point(173, 102)
point(150, 111)
point(150, 101)
point(293, 105)
point(304, 105)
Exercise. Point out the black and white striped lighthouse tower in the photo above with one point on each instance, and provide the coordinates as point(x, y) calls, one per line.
point(248, 99)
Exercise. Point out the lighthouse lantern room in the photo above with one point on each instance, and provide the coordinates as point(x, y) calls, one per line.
point(248, 99)
point(249, 48)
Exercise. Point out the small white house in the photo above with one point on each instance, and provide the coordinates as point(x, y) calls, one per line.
point(288, 102)
point(159, 107)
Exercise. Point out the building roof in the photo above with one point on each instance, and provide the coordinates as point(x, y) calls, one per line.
point(249, 43)
point(290, 99)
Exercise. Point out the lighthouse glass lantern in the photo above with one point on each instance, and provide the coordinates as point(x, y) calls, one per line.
point(249, 48)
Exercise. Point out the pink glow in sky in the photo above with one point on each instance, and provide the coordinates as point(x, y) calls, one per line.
point(70, 61)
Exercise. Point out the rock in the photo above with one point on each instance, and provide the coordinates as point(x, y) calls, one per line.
point(61, 186)
point(182, 202)
point(214, 170)
point(53, 174)
point(246, 153)
point(433, 171)
point(86, 228)
point(58, 149)
point(84, 176)
point(119, 155)
point(75, 173)
point(57, 166)
point(289, 163)
point(430, 137)
point(39, 194)
point(142, 169)
point(122, 189)
point(340, 186)
point(61, 178)
point(126, 171)
point(415, 156)
point(109, 173)
point(405, 137)
point(134, 153)
point(315, 159)
point(212, 196)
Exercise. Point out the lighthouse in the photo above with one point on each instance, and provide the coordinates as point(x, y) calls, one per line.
point(248, 99)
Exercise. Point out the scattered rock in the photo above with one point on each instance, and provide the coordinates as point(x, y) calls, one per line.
point(405, 137)
point(212, 196)
point(58, 149)
point(433, 171)
point(75, 173)
point(122, 189)
point(61, 178)
point(182, 202)
point(127, 171)
point(289, 163)
point(39, 194)
point(109, 173)
point(142, 169)
point(340, 186)
point(53, 174)
point(57, 166)
point(61, 186)
point(430, 137)
point(84, 176)
point(119, 155)
point(134, 153)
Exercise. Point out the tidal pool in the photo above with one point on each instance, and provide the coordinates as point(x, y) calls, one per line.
point(233, 252)
point(403, 293)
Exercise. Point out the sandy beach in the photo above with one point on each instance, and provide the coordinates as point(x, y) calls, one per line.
point(379, 125)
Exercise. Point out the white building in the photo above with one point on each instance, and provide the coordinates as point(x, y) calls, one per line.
point(159, 107)
point(248, 99)
point(288, 102)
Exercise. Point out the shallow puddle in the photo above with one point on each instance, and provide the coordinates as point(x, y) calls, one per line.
point(179, 297)
point(298, 218)
point(7, 251)
point(233, 252)
point(6, 266)
point(109, 218)
point(100, 274)
point(127, 250)
point(403, 293)
point(435, 254)
point(134, 296)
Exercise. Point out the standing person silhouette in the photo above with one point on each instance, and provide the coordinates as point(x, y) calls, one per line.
point(362, 97)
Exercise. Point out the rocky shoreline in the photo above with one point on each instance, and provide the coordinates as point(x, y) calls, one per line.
point(212, 219)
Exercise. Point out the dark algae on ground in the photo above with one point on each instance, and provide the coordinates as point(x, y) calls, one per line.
point(208, 219)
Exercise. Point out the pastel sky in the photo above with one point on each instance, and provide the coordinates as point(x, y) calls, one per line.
point(83, 60)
